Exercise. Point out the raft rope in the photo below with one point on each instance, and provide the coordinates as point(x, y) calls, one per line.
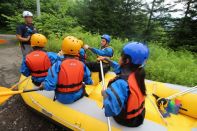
point(171, 104)
point(44, 109)
point(155, 106)
point(52, 115)
point(182, 93)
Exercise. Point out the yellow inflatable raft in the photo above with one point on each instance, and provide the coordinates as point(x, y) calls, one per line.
point(87, 113)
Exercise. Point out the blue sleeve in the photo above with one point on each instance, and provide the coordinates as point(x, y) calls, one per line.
point(87, 76)
point(116, 67)
point(103, 52)
point(52, 77)
point(116, 98)
point(53, 57)
point(82, 52)
point(60, 57)
point(24, 69)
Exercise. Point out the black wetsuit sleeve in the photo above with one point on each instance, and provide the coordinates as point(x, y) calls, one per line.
point(19, 30)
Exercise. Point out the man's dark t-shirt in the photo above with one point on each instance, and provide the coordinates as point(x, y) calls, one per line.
point(25, 31)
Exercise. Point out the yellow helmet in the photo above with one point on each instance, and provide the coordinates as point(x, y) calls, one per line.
point(71, 45)
point(38, 40)
point(81, 42)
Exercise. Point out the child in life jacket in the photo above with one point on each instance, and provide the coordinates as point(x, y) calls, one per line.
point(105, 51)
point(37, 62)
point(124, 99)
point(68, 76)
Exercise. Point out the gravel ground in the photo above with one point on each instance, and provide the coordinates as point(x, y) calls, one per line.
point(14, 115)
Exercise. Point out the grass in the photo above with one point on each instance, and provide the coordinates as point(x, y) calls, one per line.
point(164, 64)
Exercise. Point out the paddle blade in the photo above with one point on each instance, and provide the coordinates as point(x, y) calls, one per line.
point(3, 99)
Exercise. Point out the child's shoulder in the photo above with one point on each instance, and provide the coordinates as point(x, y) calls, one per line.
point(120, 82)
point(52, 53)
point(82, 50)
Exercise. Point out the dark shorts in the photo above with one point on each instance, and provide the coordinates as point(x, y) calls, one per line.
point(95, 67)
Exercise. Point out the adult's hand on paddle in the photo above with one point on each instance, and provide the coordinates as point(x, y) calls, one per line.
point(101, 58)
point(86, 46)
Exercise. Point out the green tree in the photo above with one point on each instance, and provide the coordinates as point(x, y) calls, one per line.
point(184, 34)
point(120, 18)
point(53, 20)
point(13, 7)
point(158, 19)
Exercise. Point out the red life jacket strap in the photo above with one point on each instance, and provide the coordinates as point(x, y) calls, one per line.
point(69, 86)
point(136, 110)
point(39, 71)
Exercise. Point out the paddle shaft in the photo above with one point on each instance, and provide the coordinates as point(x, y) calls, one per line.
point(104, 88)
point(20, 82)
point(182, 92)
point(18, 92)
point(102, 75)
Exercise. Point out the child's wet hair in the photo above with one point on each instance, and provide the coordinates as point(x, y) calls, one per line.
point(37, 48)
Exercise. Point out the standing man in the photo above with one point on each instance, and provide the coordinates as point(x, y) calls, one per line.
point(24, 32)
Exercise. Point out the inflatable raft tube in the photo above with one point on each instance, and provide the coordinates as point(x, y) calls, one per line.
point(87, 113)
point(188, 101)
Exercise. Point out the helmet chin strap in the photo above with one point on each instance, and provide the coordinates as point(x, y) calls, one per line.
point(124, 64)
point(104, 45)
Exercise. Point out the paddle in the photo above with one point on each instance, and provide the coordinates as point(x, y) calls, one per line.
point(6, 93)
point(17, 92)
point(103, 85)
point(20, 82)
point(4, 98)
point(4, 89)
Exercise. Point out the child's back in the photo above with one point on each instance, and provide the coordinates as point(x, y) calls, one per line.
point(66, 76)
point(37, 62)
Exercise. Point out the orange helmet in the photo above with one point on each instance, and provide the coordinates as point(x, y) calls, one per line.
point(71, 45)
point(81, 42)
point(38, 40)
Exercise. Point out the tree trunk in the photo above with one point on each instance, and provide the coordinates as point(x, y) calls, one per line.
point(147, 31)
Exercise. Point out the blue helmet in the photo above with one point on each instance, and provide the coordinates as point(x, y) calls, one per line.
point(138, 52)
point(106, 37)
